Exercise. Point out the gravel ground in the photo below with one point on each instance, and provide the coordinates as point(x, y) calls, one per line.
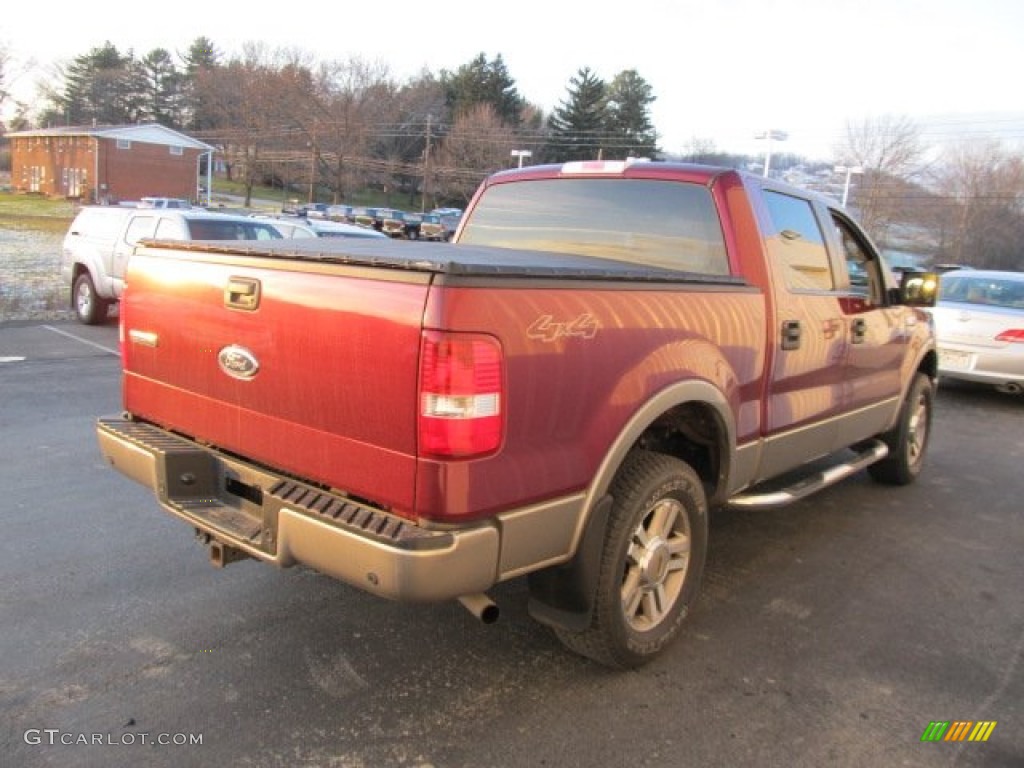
point(30, 284)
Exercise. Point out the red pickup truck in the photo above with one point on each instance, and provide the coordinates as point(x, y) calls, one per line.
point(607, 351)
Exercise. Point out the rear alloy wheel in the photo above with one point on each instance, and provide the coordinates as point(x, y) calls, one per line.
point(89, 307)
point(908, 440)
point(651, 565)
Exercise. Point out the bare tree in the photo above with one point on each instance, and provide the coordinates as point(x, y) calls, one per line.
point(982, 221)
point(348, 104)
point(478, 144)
point(252, 102)
point(888, 149)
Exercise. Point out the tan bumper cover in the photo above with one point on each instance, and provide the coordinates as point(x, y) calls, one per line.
point(285, 522)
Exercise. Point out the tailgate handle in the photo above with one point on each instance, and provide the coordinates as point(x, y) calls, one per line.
point(242, 293)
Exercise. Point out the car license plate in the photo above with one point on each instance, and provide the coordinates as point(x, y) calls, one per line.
point(954, 359)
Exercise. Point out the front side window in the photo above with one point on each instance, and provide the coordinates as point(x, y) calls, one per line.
point(797, 244)
point(863, 268)
point(665, 224)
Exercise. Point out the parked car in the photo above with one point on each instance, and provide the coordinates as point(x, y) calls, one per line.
point(391, 222)
point(289, 227)
point(450, 218)
point(327, 228)
point(339, 213)
point(431, 227)
point(979, 328)
point(364, 217)
point(315, 211)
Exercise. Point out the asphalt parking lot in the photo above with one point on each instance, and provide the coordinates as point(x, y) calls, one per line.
point(830, 633)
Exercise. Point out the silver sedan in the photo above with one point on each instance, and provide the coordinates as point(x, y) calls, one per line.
point(979, 327)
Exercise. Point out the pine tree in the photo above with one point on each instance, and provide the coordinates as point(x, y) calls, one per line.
point(95, 87)
point(201, 58)
point(629, 121)
point(160, 85)
point(578, 125)
point(483, 82)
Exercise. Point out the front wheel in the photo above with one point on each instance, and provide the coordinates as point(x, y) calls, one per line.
point(651, 565)
point(908, 440)
point(89, 307)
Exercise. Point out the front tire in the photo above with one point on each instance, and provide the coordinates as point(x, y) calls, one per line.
point(651, 565)
point(908, 440)
point(89, 307)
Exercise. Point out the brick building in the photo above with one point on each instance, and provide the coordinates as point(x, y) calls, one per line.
point(107, 164)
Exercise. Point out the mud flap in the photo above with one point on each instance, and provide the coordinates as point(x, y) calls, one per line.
point(563, 596)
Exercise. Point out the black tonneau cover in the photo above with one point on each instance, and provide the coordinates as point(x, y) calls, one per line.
point(445, 259)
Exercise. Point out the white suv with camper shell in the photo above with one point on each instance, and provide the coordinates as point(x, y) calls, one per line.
point(102, 238)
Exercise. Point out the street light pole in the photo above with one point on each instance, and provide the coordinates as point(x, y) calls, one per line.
point(849, 170)
point(768, 136)
point(521, 153)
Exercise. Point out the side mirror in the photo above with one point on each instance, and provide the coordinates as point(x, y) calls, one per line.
point(919, 289)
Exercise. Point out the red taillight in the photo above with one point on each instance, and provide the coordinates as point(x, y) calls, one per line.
point(1014, 334)
point(461, 381)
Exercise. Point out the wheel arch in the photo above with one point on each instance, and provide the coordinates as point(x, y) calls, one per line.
point(687, 419)
point(690, 420)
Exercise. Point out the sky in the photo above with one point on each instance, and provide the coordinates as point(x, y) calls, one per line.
point(722, 70)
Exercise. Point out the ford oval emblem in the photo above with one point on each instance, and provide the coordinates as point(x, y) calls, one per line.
point(238, 362)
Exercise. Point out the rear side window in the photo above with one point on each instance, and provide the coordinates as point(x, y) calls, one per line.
point(666, 224)
point(215, 229)
point(170, 229)
point(138, 228)
point(796, 243)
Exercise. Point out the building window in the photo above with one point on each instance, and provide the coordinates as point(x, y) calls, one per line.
point(124, 144)
point(177, 151)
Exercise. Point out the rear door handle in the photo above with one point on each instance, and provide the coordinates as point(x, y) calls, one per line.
point(791, 332)
point(858, 331)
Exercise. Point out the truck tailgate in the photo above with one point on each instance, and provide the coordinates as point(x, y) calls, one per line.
point(308, 367)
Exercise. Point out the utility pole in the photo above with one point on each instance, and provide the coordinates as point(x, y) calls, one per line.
point(426, 169)
point(312, 164)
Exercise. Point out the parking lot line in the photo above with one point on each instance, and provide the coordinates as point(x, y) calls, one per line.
point(108, 350)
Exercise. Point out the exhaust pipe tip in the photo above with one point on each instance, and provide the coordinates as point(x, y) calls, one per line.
point(481, 606)
point(1010, 388)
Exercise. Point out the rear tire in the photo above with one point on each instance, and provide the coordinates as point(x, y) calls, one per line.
point(88, 306)
point(651, 565)
point(908, 440)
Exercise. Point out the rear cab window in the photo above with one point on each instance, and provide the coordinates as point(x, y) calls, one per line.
point(664, 224)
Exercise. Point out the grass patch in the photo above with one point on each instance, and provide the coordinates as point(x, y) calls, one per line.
point(33, 212)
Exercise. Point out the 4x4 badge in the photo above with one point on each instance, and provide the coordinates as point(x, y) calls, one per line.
point(238, 362)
